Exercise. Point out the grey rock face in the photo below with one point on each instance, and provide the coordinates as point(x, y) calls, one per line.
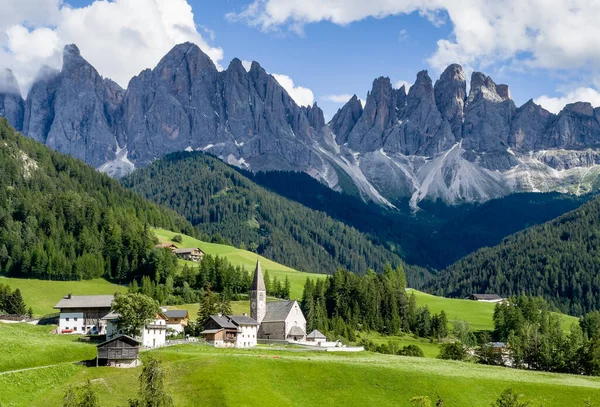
point(12, 105)
point(433, 143)
point(450, 94)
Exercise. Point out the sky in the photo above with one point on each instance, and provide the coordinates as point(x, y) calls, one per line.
point(323, 51)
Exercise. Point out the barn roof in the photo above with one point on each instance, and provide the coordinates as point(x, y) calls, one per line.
point(123, 338)
point(176, 313)
point(487, 297)
point(85, 301)
point(210, 331)
point(315, 335)
point(242, 320)
point(188, 250)
point(278, 310)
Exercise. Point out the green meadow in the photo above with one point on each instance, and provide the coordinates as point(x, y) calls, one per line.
point(24, 346)
point(201, 375)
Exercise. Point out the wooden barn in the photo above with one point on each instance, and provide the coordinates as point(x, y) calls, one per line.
point(120, 351)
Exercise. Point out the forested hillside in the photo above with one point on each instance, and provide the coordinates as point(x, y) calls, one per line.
point(436, 236)
point(62, 220)
point(220, 201)
point(559, 260)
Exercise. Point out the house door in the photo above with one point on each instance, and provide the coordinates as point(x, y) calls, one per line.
point(154, 343)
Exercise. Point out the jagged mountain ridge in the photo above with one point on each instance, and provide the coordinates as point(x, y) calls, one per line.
point(433, 142)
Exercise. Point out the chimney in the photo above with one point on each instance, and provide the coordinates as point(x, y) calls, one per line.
point(69, 296)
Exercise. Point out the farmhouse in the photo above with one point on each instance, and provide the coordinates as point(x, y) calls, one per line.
point(120, 351)
point(228, 331)
point(83, 314)
point(154, 334)
point(170, 246)
point(486, 298)
point(177, 320)
point(192, 254)
point(279, 320)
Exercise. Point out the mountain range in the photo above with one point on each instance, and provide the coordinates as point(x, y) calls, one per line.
point(430, 142)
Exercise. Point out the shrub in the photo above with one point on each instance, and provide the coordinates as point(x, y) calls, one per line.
point(453, 351)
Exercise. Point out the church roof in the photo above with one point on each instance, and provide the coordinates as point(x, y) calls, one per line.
point(278, 310)
point(316, 335)
point(296, 331)
point(258, 283)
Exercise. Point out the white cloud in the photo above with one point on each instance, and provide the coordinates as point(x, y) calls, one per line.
point(541, 33)
point(120, 38)
point(247, 65)
point(343, 98)
point(403, 35)
point(302, 96)
point(556, 104)
point(402, 83)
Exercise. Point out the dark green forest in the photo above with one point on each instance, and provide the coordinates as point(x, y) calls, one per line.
point(220, 201)
point(559, 261)
point(437, 235)
point(62, 220)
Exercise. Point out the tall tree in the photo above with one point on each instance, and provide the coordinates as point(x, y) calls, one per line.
point(152, 388)
point(135, 311)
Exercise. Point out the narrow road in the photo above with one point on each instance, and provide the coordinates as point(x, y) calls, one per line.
point(34, 368)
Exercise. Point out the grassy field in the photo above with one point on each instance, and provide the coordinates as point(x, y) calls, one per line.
point(478, 314)
point(42, 295)
point(200, 375)
point(24, 346)
point(243, 258)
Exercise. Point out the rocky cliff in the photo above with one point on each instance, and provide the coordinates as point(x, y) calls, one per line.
point(433, 142)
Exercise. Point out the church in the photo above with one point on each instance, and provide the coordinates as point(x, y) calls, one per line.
point(278, 320)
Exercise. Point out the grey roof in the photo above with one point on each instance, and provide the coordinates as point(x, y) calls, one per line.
point(315, 335)
point(258, 283)
point(223, 322)
point(86, 301)
point(176, 313)
point(187, 250)
point(126, 338)
point(111, 315)
point(296, 331)
point(242, 320)
point(278, 310)
point(486, 296)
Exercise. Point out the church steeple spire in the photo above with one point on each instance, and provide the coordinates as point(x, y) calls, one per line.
point(258, 295)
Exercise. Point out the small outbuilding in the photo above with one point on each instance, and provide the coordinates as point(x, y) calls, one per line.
point(177, 319)
point(316, 336)
point(120, 351)
point(486, 297)
point(191, 254)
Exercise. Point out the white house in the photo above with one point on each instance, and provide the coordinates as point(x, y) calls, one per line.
point(486, 298)
point(247, 331)
point(83, 314)
point(153, 335)
point(316, 336)
point(177, 319)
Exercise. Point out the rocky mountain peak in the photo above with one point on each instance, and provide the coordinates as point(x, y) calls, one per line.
point(582, 108)
point(72, 58)
point(345, 119)
point(484, 86)
point(9, 83)
point(450, 94)
point(503, 91)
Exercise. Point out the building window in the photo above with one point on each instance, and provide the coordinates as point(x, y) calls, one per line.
point(67, 319)
point(75, 319)
point(75, 329)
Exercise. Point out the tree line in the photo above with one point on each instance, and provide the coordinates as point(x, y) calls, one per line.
point(345, 302)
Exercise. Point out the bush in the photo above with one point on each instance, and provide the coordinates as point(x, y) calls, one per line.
point(177, 239)
point(453, 351)
point(412, 350)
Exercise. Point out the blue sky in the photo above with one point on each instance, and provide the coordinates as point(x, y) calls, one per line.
point(334, 47)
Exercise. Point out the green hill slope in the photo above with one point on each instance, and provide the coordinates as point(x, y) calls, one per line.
point(211, 377)
point(559, 260)
point(62, 220)
point(220, 201)
point(243, 258)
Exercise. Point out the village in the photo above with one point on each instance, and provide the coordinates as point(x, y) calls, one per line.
point(279, 322)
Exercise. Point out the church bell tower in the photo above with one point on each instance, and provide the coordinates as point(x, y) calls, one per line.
point(258, 295)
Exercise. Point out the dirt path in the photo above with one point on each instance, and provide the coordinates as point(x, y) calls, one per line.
point(34, 368)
